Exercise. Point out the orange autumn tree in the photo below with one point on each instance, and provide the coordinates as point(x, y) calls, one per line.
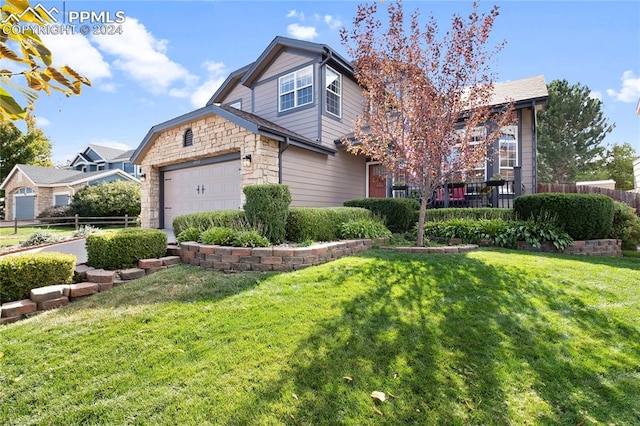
point(425, 95)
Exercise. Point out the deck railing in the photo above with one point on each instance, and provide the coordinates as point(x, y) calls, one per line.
point(497, 194)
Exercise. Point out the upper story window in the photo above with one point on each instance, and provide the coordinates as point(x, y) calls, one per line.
point(187, 139)
point(295, 89)
point(334, 92)
point(508, 145)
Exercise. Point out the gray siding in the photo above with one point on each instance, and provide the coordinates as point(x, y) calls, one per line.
point(352, 104)
point(528, 154)
point(303, 121)
point(240, 92)
point(317, 180)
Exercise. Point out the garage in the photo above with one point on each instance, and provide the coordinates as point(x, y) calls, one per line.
point(201, 188)
point(25, 204)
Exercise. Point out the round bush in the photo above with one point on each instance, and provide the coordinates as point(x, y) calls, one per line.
point(21, 273)
point(626, 226)
point(582, 216)
point(399, 213)
point(189, 234)
point(218, 235)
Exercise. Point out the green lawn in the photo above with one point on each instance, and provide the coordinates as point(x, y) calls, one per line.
point(492, 337)
point(8, 238)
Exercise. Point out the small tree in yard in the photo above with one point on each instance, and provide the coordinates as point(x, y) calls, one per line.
point(426, 96)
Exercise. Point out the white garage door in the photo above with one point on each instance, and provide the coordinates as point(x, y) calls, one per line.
point(200, 189)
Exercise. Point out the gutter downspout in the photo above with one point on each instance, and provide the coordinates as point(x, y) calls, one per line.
point(535, 146)
point(320, 103)
point(280, 151)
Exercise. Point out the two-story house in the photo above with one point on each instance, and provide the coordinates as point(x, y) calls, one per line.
point(95, 158)
point(281, 119)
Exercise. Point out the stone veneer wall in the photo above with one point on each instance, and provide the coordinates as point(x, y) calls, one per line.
point(267, 258)
point(604, 247)
point(212, 136)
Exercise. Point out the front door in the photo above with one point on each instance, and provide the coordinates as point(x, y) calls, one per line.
point(377, 181)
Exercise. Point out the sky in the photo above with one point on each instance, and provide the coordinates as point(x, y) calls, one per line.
point(166, 58)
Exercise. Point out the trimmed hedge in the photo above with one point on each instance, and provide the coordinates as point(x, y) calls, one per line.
point(398, 213)
point(321, 223)
point(477, 213)
point(108, 199)
point(582, 216)
point(23, 272)
point(267, 208)
point(123, 249)
point(364, 228)
point(205, 220)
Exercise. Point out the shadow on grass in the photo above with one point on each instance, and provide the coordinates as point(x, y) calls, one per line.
point(184, 284)
point(457, 341)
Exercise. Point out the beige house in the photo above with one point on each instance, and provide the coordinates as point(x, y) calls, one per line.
point(281, 119)
point(31, 189)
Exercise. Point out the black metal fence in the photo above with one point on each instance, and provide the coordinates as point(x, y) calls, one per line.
point(497, 194)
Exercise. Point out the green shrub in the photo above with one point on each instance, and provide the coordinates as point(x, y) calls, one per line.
point(364, 228)
point(57, 211)
point(626, 226)
point(124, 248)
point(218, 235)
point(498, 232)
point(85, 230)
point(399, 213)
point(205, 220)
point(189, 234)
point(23, 272)
point(582, 216)
point(40, 237)
point(267, 207)
point(476, 213)
point(320, 223)
point(249, 239)
point(108, 199)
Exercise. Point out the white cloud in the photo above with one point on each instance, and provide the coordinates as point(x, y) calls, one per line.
point(302, 32)
point(42, 121)
point(143, 58)
point(295, 14)
point(595, 95)
point(630, 91)
point(332, 22)
point(77, 52)
point(217, 73)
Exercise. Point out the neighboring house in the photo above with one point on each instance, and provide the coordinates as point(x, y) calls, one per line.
point(281, 119)
point(31, 189)
point(96, 158)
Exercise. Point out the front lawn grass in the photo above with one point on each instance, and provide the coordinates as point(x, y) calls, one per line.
point(493, 337)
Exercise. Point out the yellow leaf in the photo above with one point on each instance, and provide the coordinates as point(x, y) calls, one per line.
point(378, 396)
point(1, 354)
point(378, 412)
point(295, 396)
point(348, 379)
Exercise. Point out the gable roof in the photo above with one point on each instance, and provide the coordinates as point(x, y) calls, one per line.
point(246, 120)
point(521, 92)
point(108, 153)
point(248, 74)
point(47, 176)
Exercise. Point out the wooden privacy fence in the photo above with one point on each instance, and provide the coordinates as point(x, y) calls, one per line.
point(76, 221)
point(630, 198)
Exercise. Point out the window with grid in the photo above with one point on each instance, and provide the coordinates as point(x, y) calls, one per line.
point(508, 145)
point(334, 92)
point(295, 89)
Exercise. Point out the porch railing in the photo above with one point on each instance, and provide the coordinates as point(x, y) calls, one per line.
point(497, 194)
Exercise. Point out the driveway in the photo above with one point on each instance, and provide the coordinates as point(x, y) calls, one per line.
point(78, 248)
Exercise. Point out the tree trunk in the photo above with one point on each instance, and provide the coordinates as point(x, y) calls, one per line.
point(421, 217)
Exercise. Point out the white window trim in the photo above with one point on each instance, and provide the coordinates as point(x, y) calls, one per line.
point(295, 89)
point(53, 200)
point(510, 130)
point(326, 104)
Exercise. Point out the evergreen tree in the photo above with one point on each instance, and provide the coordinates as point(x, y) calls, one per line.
point(571, 129)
